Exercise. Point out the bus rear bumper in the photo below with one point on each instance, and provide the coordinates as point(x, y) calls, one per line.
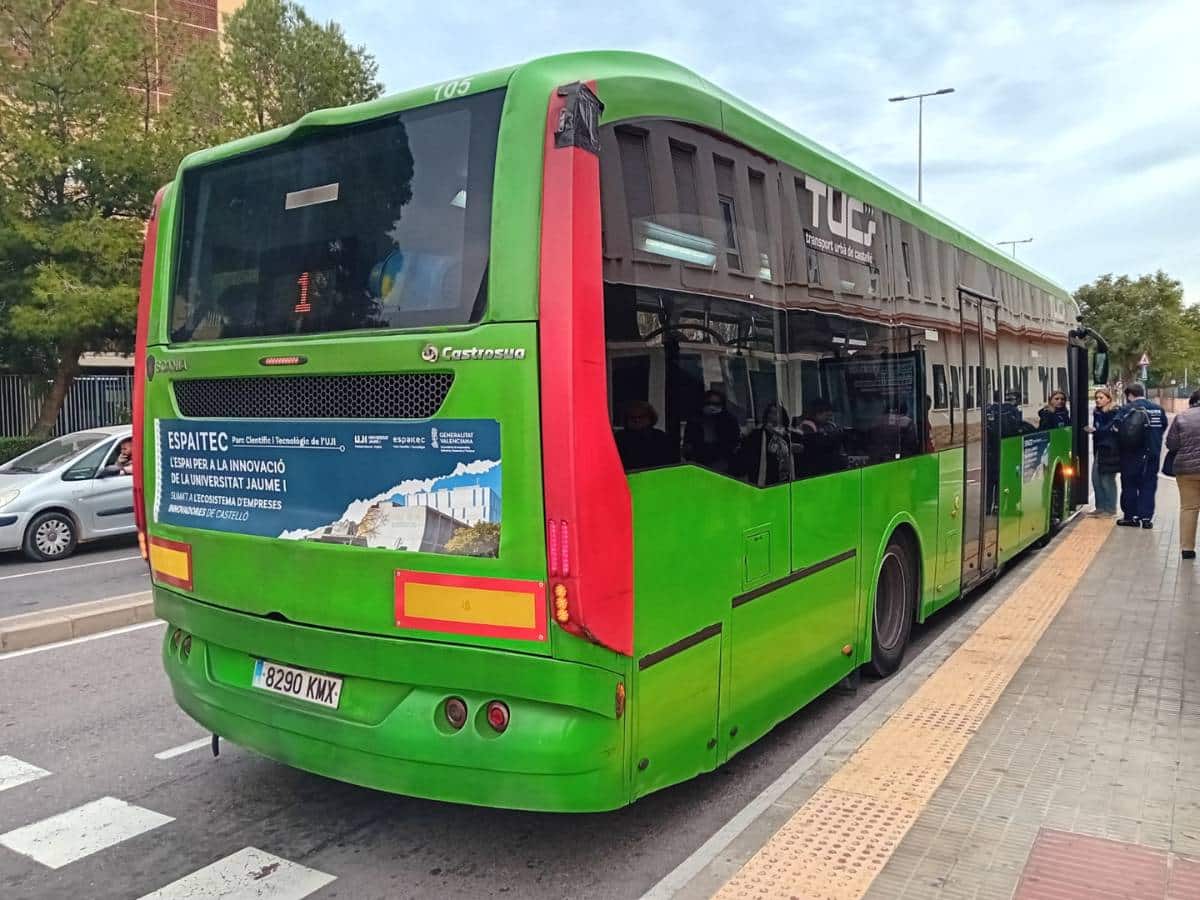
point(563, 749)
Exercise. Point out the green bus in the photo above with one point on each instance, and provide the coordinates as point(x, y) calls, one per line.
point(543, 438)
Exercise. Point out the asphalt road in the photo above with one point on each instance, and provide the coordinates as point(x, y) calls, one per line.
point(97, 571)
point(94, 714)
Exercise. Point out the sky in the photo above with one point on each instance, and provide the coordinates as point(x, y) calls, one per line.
point(1078, 127)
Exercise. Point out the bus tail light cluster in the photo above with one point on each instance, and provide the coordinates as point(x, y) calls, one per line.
point(497, 716)
point(558, 538)
point(456, 713)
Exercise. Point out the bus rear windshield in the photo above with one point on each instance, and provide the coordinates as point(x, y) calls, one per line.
point(380, 225)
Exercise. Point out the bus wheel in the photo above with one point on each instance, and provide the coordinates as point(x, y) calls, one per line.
point(1058, 506)
point(895, 602)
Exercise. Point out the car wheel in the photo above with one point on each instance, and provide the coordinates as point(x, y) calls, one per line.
point(50, 536)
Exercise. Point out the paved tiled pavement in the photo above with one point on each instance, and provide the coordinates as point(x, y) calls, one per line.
point(1098, 733)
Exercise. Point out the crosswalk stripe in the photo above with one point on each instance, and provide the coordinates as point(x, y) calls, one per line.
point(14, 772)
point(184, 748)
point(80, 832)
point(248, 874)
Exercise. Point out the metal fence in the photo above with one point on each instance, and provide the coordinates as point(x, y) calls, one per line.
point(93, 401)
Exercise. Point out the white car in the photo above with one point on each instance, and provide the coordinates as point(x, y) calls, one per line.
point(71, 489)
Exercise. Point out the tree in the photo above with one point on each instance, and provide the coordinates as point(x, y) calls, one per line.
point(1139, 316)
point(281, 64)
point(480, 539)
point(77, 176)
point(83, 148)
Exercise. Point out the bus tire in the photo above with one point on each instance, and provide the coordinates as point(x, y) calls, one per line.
point(51, 535)
point(1056, 515)
point(895, 606)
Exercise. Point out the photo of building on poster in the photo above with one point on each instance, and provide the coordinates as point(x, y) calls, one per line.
point(418, 487)
point(457, 514)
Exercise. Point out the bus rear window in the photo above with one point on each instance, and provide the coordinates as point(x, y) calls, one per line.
point(380, 225)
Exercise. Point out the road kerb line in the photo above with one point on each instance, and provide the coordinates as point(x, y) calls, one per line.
point(99, 562)
point(184, 748)
point(64, 623)
point(57, 645)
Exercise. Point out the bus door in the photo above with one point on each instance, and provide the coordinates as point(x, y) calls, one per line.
point(982, 416)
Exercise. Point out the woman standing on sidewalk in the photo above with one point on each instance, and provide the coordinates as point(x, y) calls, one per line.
point(1106, 453)
point(1183, 437)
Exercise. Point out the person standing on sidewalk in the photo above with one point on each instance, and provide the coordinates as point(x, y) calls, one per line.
point(1140, 425)
point(1184, 438)
point(1106, 461)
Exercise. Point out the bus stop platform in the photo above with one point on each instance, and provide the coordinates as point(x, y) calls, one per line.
point(1046, 746)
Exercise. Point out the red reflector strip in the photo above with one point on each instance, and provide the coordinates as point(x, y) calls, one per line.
point(484, 607)
point(171, 562)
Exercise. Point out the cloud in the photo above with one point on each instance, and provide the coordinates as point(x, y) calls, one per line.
point(1073, 125)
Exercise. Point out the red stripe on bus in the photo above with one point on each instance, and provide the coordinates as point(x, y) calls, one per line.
point(145, 295)
point(585, 486)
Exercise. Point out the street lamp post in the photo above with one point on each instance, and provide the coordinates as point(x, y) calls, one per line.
point(1013, 245)
point(920, 98)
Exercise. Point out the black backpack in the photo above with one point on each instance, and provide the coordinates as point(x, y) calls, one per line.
point(1131, 432)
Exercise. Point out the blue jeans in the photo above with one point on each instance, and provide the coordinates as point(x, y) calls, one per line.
point(1139, 480)
point(1104, 489)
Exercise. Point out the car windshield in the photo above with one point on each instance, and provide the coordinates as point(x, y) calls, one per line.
point(380, 225)
point(53, 453)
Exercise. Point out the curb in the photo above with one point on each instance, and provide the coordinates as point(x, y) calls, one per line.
point(79, 620)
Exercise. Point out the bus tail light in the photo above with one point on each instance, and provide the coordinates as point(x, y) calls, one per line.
point(1068, 471)
point(456, 712)
point(497, 716)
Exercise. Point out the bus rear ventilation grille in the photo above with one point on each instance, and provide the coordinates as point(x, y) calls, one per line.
point(398, 396)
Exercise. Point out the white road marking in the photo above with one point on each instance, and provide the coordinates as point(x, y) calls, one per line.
point(14, 772)
point(246, 875)
point(62, 839)
point(13, 654)
point(184, 748)
point(103, 562)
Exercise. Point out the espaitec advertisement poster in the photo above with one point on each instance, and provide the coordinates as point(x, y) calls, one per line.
point(431, 487)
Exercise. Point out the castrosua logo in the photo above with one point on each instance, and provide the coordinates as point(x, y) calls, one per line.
point(432, 354)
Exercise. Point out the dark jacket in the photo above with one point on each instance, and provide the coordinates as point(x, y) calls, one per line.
point(1104, 439)
point(1184, 438)
point(711, 440)
point(1156, 423)
point(1053, 418)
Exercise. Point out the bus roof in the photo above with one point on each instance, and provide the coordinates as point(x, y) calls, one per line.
point(771, 137)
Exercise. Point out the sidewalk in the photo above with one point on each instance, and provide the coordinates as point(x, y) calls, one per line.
point(1054, 754)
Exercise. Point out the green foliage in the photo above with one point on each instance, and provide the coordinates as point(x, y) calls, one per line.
point(281, 64)
point(480, 539)
point(84, 147)
point(12, 447)
point(1139, 316)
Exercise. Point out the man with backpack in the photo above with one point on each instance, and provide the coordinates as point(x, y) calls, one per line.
point(1140, 426)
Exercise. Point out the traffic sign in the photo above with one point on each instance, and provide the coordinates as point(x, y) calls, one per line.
point(1145, 360)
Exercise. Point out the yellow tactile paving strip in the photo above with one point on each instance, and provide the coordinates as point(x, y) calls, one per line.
point(837, 842)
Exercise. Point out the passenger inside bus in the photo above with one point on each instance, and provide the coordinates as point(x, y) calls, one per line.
point(766, 454)
point(640, 444)
point(820, 440)
point(711, 438)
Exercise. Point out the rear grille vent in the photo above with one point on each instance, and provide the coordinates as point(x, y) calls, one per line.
point(400, 396)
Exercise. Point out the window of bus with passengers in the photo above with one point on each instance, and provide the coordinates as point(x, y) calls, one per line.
point(385, 224)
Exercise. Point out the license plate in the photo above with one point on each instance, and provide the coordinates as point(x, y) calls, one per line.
point(298, 683)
